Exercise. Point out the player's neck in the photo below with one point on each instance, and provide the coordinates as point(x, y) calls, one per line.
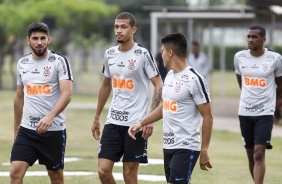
point(258, 52)
point(179, 65)
point(125, 46)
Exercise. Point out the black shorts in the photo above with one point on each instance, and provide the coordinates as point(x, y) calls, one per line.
point(116, 142)
point(179, 165)
point(256, 130)
point(48, 148)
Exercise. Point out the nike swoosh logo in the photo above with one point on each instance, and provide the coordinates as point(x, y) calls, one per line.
point(110, 64)
point(54, 167)
point(179, 179)
point(24, 72)
point(138, 156)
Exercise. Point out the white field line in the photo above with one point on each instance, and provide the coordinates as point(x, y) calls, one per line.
point(117, 176)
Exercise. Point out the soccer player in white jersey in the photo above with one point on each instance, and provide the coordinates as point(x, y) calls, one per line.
point(128, 70)
point(44, 89)
point(185, 98)
point(259, 74)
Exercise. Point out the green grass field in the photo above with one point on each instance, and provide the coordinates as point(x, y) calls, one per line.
point(226, 151)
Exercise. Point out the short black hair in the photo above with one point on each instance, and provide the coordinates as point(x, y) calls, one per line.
point(127, 15)
point(261, 29)
point(177, 42)
point(37, 27)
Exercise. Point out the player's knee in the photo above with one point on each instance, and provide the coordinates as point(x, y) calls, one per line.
point(259, 155)
point(129, 176)
point(103, 173)
point(55, 176)
point(15, 173)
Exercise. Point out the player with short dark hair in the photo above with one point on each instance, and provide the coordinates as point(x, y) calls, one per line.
point(259, 75)
point(186, 100)
point(128, 70)
point(44, 90)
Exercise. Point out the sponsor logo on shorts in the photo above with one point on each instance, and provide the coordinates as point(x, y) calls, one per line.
point(54, 167)
point(170, 105)
point(38, 89)
point(179, 179)
point(138, 156)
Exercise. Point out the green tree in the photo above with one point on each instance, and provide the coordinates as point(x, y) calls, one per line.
point(67, 18)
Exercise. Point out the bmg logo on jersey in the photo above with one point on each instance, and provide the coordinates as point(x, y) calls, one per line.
point(38, 89)
point(122, 83)
point(255, 82)
point(170, 105)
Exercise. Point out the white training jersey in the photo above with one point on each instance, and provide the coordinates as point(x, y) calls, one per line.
point(258, 93)
point(40, 79)
point(130, 73)
point(182, 92)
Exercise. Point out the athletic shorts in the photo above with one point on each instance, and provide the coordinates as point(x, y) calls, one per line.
point(179, 165)
point(256, 130)
point(116, 142)
point(48, 148)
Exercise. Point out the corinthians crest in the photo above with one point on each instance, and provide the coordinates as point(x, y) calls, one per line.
point(178, 87)
point(131, 64)
point(47, 71)
point(265, 67)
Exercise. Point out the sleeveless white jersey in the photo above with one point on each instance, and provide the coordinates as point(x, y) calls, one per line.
point(182, 92)
point(258, 93)
point(130, 73)
point(40, 79)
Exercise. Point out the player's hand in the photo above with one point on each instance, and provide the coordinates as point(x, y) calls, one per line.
point(43, 125)
point(205, 161)
point(96, 129)
point(133, 129)
point(147, 131)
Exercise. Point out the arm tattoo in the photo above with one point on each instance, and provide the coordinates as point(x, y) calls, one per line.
point(157, 96)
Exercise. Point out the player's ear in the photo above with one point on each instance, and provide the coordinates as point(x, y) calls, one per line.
point(27, 40)
point(134, 29)
point(49, 39)
point(170, 53)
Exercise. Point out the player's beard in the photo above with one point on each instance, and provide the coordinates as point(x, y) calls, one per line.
point(39, 54)
point(120, 41)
